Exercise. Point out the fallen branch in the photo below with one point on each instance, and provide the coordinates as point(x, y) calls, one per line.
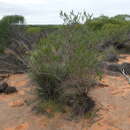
point(126, 76)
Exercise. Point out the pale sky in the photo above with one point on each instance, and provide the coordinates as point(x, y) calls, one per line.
point(47, 11)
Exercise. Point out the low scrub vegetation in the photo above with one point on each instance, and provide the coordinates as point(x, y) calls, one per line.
point(113, 31)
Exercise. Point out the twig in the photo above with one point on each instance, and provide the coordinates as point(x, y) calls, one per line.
point(126, 76)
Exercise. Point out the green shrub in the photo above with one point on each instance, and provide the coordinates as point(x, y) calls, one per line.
point(65, 65)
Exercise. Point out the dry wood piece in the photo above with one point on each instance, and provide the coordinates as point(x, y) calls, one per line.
point(126, 76)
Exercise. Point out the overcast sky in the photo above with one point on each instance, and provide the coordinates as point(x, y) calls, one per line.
point(47, 11)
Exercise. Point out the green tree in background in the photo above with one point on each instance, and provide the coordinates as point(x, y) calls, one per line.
point(5, 29)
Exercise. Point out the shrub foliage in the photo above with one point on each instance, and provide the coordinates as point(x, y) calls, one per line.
point(65, 65)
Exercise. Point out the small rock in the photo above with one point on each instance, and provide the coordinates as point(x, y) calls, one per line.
point(10, 90)
point(3, 87)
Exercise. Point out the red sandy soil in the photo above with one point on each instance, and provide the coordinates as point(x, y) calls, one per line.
point(113, 100)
